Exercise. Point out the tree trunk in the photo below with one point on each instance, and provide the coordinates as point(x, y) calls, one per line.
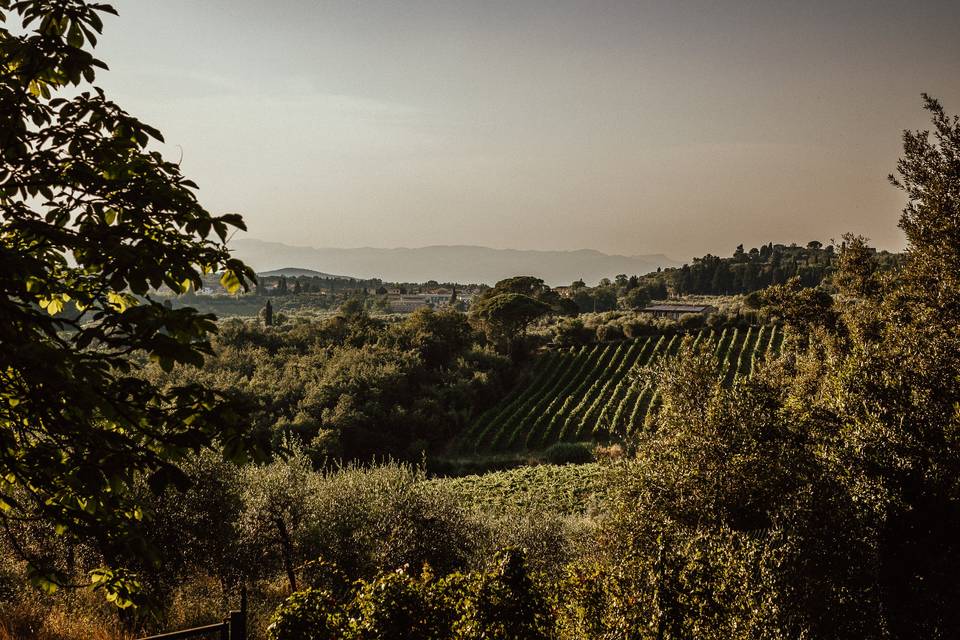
point(287, 549)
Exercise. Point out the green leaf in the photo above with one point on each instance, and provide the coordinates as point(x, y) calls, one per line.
point(75, 36)
point(230, 281)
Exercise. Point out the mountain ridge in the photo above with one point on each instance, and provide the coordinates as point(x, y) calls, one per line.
point(448, 263)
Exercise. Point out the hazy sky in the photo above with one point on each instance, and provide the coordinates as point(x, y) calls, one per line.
point(678, 127)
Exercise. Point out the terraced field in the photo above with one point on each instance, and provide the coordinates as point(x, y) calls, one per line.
point(585, 393)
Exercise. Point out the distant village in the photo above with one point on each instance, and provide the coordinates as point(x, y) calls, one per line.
point(329, 292)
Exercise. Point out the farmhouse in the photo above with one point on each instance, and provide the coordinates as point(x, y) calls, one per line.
point(675, 311)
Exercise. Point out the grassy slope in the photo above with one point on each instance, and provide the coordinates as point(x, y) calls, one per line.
point(568, 489)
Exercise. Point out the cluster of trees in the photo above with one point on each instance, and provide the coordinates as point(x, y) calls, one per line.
point(295, 285)
point(622, 292)
point(353, 387)
point(748, 271)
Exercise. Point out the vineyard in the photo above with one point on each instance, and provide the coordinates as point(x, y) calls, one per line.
point(585, 393)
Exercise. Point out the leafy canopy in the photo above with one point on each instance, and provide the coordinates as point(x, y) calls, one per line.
point(92, 220)
point(505, 316)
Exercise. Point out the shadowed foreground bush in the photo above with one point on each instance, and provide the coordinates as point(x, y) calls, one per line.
point(500, 602)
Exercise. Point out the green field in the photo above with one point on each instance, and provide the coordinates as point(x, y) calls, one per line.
point(565, 489)
point(586, 393)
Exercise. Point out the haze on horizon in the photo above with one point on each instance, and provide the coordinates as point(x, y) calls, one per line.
point(628, 127)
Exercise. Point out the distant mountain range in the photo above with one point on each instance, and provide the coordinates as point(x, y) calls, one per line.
point(462, 263)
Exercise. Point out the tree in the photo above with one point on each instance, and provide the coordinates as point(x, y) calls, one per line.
point(92, 222)
point(899, 395)
point(353, 306)
point(524, 285)
point(878, 380)
point(857, 268)
point(277, 508)
point(726, 510)
point(438, 337)
point(507, 315)
point(267, 314)
point(637, 298)
point(928, 174)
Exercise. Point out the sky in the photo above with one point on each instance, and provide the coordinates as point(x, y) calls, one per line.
point(679, 127)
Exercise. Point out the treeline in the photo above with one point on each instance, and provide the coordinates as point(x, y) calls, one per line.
point(749, 271)
point(283, 285)
point(744, 272)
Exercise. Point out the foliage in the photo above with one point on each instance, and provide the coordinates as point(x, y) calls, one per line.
point(498, 603)
point(279, 513)
point(311, 614)
point(91, 221)
point(505, 316)
point(800, 307)
point(504, 603)
point(746, 271)
point(355, 388)
point(877, 385)
point(727, 510)
point(928, 176)
point(572, 332)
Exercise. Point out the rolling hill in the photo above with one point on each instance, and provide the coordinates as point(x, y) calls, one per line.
point(297, 272)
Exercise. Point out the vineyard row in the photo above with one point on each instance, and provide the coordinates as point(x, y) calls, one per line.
point(593, 392)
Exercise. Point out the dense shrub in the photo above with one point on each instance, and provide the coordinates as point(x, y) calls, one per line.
point(609, 333)
point(572, 332)
point(691, 321)
point(569, 453)
point(312, 614)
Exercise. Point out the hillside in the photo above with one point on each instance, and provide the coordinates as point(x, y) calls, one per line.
point(565, 489)
point(587, 393)
point(466, 264)
point(297, 272)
